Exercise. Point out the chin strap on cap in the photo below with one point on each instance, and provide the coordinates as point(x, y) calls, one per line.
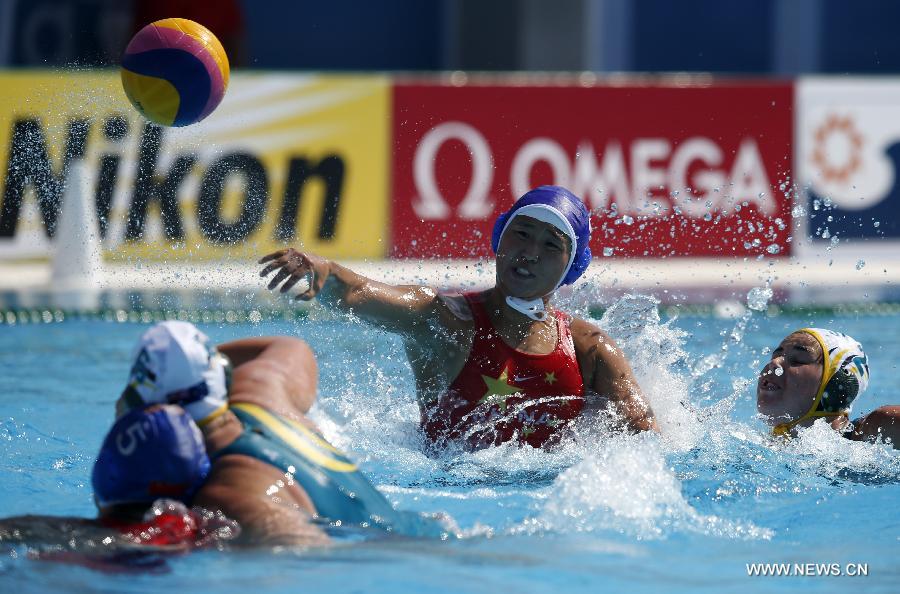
point(533, 308)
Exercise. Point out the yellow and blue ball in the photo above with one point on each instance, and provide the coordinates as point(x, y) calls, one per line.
point(175, 72)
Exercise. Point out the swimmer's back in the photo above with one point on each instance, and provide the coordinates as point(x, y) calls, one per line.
point(272, 470)
point(278, 375)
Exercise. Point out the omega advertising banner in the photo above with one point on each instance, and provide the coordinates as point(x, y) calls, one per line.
point(284, 160)
point(848, 160)
point(699, 170)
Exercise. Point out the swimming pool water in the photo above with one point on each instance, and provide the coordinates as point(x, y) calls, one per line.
point(684, 511)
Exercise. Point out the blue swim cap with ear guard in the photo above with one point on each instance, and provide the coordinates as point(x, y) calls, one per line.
point(149, 454)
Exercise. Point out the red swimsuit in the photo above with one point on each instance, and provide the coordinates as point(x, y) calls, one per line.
point(503, 394)
point(166, 529)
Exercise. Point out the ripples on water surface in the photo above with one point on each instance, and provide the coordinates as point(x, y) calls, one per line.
point(683, 511)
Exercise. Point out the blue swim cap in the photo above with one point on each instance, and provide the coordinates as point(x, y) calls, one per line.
point(570, 209)
point(149, 454)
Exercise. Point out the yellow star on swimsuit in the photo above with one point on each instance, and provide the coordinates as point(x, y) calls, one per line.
point(550, 377)
point(498, 389)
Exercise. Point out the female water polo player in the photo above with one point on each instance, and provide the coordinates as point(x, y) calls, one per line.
point(501, 364)
point(816, 373)
point(151, 463)
point(271, 471)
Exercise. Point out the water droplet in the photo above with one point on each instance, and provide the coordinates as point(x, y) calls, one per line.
point(607, 251)
point(826, 233)
point(798, 211)
point(627, 220)
point(773, 248)
point(758, 298)
point(860, 264)
point(779, 371)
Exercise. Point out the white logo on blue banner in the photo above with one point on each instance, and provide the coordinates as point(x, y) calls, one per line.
point(847, 158)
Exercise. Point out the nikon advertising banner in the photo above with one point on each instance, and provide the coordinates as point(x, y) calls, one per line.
point(285, 160)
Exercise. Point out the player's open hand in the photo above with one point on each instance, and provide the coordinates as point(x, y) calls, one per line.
point(292, 266)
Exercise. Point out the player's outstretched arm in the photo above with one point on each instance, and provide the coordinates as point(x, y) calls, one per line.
point(404, 309)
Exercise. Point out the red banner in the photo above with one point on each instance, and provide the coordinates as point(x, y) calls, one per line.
point(665, 170)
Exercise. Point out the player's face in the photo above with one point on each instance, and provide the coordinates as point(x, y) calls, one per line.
point(788, 384)
point(531, 258)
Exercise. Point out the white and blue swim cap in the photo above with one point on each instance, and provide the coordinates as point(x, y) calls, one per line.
point(174, 363)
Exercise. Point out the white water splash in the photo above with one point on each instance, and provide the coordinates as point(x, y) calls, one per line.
point(821, 451)
point(626, 486)
point(638, 485)
point(659, 362)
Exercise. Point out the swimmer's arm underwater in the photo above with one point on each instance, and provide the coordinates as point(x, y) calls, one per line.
point(267, 516)
point(606, 373)
point(405, 309)
point(883, 422)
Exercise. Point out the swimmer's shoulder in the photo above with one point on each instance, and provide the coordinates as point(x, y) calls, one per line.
point(452, 311)
point(447, 335)
point(256, 495)
point(588, 335)
point(596, 351)
point(454, 307)
point(883, 422)
point(430, 305)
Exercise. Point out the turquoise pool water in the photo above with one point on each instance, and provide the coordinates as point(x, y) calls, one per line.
point(684, 512)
